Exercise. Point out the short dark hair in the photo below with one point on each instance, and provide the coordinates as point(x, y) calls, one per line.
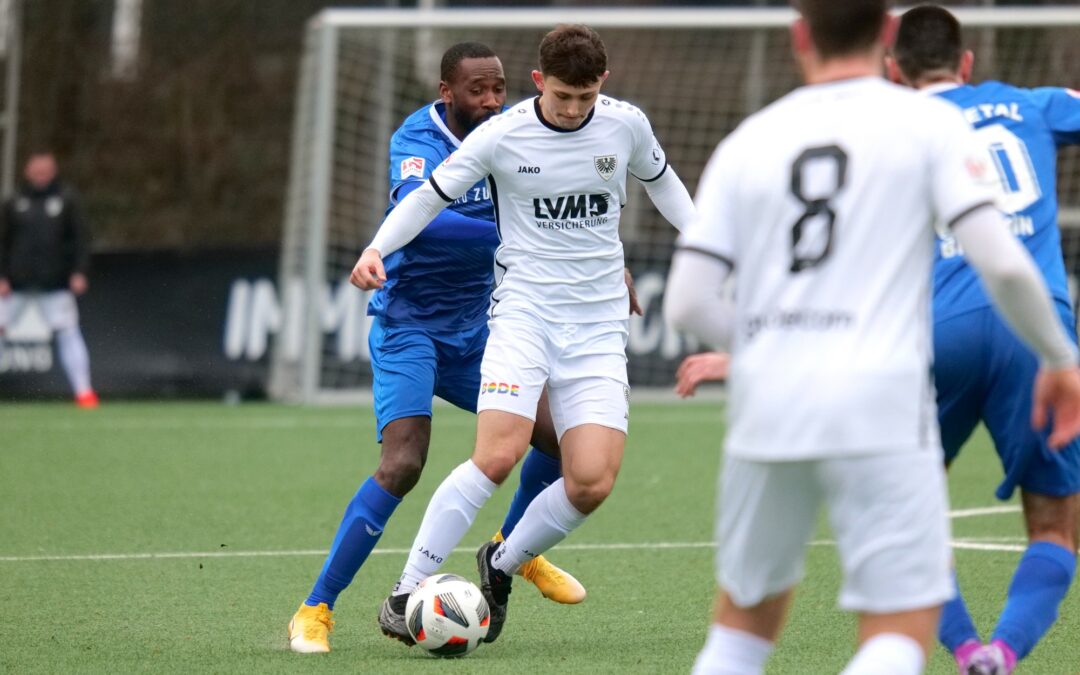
point(843, 27)
point(573, 53)
point(453, 57)
point(929, 40)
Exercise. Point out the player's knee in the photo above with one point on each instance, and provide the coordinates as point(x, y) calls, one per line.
point(497, 466)
point(399, 472)
point(588, 495)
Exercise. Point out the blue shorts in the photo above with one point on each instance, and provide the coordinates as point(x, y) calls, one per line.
point(411, 365)
point(983, 372)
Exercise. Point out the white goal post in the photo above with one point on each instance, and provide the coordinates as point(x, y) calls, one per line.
point(696, 72)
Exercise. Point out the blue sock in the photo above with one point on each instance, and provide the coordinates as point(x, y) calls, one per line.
point(956, 626)
point(1037, 589)
point(537, 472)
point(360, 529)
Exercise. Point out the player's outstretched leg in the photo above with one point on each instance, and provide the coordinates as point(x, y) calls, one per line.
point(538, 471)
point(360, 529)
point(547, 521)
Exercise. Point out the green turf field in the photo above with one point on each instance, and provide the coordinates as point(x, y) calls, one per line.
point(181, 537)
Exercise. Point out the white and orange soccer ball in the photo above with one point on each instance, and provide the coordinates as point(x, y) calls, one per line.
point(447, 615)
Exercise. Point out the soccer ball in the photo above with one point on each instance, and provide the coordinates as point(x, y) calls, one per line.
point(447, 615)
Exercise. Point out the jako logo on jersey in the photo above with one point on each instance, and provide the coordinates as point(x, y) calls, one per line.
point(569, 207)
point(499, 388)
point(412, 167)
point(605, 165)
point(528, 169)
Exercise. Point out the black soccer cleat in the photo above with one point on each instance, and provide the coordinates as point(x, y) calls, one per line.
point(496, 589)
point(392, 619)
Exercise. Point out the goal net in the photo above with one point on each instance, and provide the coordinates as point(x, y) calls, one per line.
point(696, 73)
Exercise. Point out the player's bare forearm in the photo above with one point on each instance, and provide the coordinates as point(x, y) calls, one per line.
point(368, 273)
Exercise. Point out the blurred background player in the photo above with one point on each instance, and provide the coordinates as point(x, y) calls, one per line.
point(427, 339)
point(830, 394)
point(981, 369)
point(560, 161)
point(44, 255)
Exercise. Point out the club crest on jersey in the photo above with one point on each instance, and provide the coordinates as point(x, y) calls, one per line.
point(605, 165)
point(412, 167)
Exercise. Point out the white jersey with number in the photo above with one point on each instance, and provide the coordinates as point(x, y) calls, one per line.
point(825, 203)
point(558, 195)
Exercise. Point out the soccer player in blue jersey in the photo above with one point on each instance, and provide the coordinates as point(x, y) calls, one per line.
point(982, 371)
point(427, 339)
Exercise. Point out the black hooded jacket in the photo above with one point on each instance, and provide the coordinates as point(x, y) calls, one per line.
point(44, 238)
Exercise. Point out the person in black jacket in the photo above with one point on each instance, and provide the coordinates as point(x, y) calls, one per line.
point(44, 254)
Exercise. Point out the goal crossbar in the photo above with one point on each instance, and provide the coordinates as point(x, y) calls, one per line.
point(673, 18)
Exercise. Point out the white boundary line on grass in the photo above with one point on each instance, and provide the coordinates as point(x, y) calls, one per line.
point(985, 511)
point(997, 544)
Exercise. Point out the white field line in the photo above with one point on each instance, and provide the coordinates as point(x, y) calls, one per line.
point(968, 544)
point(985, 511)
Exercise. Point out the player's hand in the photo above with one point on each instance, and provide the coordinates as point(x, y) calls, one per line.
point(1057, 397)
point(698, 368)
point(78, 283)
point(5, 288)
point(635, 308)
point(368, 272)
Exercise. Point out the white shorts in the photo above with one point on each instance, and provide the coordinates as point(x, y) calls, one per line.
point(888, 513)
point(58, 308)
point(582, 364)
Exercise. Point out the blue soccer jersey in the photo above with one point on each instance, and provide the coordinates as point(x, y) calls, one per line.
point(1022, 129)
point(442, 280)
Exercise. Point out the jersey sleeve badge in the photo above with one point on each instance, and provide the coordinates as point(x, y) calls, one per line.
point(412, 167)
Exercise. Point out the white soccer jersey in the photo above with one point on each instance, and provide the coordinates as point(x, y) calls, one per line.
point(825, 203)
point(558, 195)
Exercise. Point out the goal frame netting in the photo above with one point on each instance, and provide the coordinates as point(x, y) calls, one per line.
point(307, 305)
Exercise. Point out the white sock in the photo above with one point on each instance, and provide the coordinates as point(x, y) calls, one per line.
point(887, 654)
point(74, 358)
point(449, 515)
point(547, 520)
point(732, 652)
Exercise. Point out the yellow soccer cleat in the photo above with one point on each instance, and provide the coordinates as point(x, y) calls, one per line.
point(553, 583)
point(309, 630)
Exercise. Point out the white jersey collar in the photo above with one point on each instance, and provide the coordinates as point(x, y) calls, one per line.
point(938, 87)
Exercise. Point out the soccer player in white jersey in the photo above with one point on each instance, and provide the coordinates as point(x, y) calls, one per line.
point(822, 206)
point(557, 166)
